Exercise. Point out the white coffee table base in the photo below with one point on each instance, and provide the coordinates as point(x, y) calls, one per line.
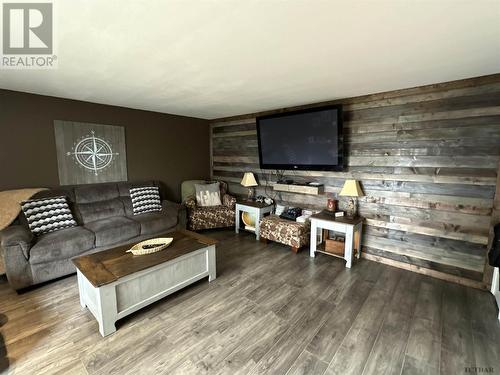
point(113, 301)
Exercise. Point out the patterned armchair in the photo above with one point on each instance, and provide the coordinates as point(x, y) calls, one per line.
point(208, 217)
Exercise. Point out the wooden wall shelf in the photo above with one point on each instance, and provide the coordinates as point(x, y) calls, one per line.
point(303, 189)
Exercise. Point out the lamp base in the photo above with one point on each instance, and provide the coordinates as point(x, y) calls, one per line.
point(251, 194)
point(352, 208)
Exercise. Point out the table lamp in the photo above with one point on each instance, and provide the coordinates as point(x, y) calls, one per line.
point(352, 189)
point(249, 182)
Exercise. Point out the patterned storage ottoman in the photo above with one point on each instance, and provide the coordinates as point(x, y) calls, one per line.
point(287, 232)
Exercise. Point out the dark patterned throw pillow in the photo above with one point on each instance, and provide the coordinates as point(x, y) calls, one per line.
point(48, 214)
point(145, 199)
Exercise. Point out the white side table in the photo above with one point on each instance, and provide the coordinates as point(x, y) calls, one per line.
point(342, 224)
point(259, 210)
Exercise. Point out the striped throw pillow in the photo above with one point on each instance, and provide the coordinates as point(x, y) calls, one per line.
point(48, 214)
point(145, 199)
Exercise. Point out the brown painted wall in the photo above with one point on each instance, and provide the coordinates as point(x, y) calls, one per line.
point(160, 146)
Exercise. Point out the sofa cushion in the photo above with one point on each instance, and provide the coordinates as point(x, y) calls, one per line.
point(124, 187)
point(63, 244)
point(66, 191)
point(114, 229)
point(95, 193)
point(127, 205)
point(155, 222)
point(90, 212)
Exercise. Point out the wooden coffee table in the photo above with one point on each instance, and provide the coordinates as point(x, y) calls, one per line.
point(114, 283)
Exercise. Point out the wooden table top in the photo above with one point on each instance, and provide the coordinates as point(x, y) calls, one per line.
point(107, 266)
point(341, 219)
point(253, 203)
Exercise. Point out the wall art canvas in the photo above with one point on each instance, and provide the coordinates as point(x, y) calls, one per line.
point(90, 153)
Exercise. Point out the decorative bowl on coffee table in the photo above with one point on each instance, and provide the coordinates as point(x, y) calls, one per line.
point(150, 246)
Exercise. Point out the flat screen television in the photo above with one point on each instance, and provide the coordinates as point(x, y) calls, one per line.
point(308, 139)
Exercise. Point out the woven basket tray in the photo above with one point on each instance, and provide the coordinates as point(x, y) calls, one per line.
point(161, 243)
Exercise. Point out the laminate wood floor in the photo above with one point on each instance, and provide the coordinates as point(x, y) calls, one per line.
point(269, 311)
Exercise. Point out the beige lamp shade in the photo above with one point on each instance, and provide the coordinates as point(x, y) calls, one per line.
point(248, 180)
point(351, 189)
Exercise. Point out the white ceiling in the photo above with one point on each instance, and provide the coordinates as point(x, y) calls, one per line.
point(213, 59)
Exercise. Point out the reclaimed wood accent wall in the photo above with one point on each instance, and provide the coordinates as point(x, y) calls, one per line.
point(427, 160)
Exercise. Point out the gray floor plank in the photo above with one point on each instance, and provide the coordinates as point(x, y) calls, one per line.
point(423, 350)
point(424, 342)
point(485, 331)
point(430, 299)
point(356, 347)
point(254, 346)
point(308, 294)
point(457, 347)
point(284, 353)
point(308, 364)
point(412, 366)
point(388, 352)
point(329, 337)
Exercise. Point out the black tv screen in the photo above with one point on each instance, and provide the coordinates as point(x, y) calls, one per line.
point(306, 140)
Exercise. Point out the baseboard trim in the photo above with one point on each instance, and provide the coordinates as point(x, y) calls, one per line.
point(426, 271)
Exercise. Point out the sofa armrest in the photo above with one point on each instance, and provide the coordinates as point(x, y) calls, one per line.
point(229, 201)
point(17, 235)
point(176, 209)
point(15, 243)
point(190, 203)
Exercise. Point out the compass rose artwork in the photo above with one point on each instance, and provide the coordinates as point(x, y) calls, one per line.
point(93, 153)
point(89, 153)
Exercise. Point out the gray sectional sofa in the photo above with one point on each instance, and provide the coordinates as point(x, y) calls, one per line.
point(105, 218)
